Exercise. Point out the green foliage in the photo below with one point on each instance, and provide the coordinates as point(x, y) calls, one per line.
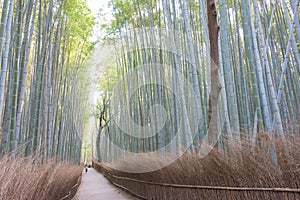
point(128, 14)
point(80, 20)
point(80, 23)
point(109, 79)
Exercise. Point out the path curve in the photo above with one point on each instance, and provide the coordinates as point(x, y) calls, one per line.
point(95, 186)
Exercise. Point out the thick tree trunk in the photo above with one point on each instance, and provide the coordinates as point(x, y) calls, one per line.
point(98, 146)
point(213, 29)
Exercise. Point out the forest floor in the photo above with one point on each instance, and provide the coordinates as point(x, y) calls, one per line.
point(94, 186)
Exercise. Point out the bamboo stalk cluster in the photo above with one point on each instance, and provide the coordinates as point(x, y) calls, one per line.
point(259, 74)
point(43, 46)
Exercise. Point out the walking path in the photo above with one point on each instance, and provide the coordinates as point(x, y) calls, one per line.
point(94, 186)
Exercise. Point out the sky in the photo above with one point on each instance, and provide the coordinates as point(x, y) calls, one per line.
point(100, 56)
point(106, 15)
point(95, 5)
point(102, 53)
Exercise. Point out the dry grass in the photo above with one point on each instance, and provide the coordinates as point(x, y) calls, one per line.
point(22, 179)
point(238, 168)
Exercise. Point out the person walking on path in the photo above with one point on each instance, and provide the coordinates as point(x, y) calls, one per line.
point(94, 186)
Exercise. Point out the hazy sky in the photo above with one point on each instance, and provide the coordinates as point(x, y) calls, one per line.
point(96, 60)
point(106, 16)
point(95, 5)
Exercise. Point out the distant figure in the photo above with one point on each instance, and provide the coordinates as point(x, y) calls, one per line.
point(85, 168)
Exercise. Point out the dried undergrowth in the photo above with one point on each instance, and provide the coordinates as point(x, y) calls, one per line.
point(22, 179)
point(239, 167)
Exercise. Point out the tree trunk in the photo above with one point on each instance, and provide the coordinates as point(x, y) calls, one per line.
point(213, 29)
point(5, 57)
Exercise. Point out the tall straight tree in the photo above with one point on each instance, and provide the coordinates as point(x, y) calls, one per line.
point(213, 29)
point(4, 65)
point(34, 73)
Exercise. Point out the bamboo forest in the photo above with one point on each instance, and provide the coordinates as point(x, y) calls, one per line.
point(149, 99)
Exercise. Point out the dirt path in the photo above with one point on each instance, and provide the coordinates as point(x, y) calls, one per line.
point(94, 186)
